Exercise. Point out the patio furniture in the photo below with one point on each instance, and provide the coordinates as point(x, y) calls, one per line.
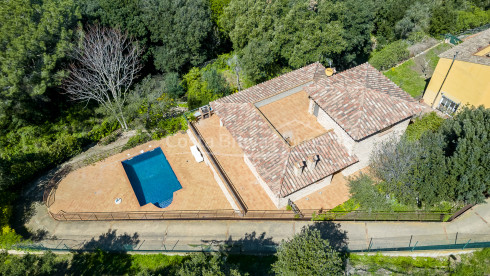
point(205, 111)
point(197, 154)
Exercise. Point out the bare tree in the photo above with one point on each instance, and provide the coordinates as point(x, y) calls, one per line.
point(107, 62)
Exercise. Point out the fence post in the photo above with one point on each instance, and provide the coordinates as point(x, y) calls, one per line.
point(456, 238)
point(413, 248)
point(466, 244)
point(370, 244)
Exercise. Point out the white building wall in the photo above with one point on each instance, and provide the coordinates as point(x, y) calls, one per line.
point(282, 202)
point(364, 148)
point(328, 123)
point(306, 191)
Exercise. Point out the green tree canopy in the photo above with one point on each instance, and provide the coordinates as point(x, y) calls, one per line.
point(180, 32)
point(275, 34)
point(468, 150)
point(307, 254)
point(35, 37)
point(202, 264)
point(449, 164)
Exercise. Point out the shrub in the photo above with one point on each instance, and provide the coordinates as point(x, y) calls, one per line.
point(390, 55)
point(476, 264)
point(307, 254)
point(169, 127)
point(471, 18)
point(138, 139)
point(429, 122)
point(102, 130)
point(207, 264)
point(364, 191)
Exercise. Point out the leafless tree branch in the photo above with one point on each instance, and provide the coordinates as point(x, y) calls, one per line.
point(107, 62)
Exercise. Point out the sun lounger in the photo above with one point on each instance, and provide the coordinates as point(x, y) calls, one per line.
point(197, 154)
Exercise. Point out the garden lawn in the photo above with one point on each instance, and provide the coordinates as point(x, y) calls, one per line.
point(407, 79)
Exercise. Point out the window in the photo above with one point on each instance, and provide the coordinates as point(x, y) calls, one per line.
point(447, 106)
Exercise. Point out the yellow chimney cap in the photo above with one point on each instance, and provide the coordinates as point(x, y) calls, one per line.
point(329, 71)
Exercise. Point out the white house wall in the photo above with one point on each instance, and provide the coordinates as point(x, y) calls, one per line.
point(282, 202)
point(328, 123)
point(305, 191)
point(364, 148)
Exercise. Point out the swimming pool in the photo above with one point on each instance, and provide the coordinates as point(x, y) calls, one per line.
point(152, 178)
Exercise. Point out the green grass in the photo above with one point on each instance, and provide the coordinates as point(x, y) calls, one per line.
point(408, 79)
point(157, 263)
point(348, 206)
point(432, 55)
point(477, 263)
point(404, 265)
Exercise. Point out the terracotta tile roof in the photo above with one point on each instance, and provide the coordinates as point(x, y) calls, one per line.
point(362, 100)
point(276, 85)
point(272, 157)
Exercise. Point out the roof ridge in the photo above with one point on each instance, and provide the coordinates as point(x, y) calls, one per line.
point(284, 171)
point(362, 96)
point(266, 83)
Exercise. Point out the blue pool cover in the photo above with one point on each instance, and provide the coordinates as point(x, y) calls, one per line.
point(152, 178)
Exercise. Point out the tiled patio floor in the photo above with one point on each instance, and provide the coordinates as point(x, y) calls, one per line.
point(337, 192)
point(230, 156)
point(291, 118)
point(95, 187)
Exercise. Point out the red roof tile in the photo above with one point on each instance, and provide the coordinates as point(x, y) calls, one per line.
point(362, 100)
point(276, 85)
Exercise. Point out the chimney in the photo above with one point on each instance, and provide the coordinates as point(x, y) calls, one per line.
point(330, 71)
point(299, 167)
point(311, 161)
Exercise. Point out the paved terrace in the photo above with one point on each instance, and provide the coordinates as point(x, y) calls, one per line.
point(291, 119)
point(95, 187)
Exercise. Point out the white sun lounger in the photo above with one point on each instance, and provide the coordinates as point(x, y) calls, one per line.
point(197, 154)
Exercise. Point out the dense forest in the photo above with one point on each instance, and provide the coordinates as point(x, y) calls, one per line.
point(184, 53)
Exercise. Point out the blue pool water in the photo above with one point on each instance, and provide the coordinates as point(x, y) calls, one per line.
point(152, 178)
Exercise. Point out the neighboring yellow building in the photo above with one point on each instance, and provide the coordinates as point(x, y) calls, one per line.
point(467, 80)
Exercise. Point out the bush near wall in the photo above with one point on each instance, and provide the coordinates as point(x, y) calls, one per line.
point(390, 55)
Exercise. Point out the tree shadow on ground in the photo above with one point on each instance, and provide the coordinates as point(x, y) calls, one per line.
point(252, 253)
point(250, 244)
point(110, 241)
point(28, 201)
point(332, 232)
point(106, 255)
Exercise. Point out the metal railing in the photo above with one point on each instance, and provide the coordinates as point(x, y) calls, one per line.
point(49, 194)
point(50, 189)
point(230, 214)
